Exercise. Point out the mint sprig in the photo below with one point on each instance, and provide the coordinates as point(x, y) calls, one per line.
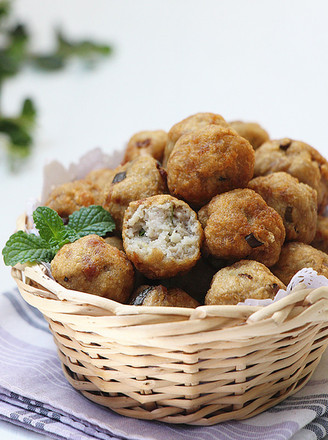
point(23, 247)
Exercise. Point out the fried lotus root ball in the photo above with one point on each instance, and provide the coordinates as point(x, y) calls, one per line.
point(93, 266)
point(115, 241)
point(208, 162)
point(298, 159)
point(141, 178)
point(162, 236)
point(321, 237)
point(239, 225)
point(295, 256)
point(161, 296)
point(187, 125)
point(72, 196)
point(295, 202)
point(244, 279)
point(146, 142)
point(101, 177)
point(252, 131)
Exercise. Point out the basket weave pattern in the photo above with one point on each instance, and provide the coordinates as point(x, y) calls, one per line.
point(196, 366)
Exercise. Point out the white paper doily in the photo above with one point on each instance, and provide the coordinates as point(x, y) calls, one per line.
point(306, 277)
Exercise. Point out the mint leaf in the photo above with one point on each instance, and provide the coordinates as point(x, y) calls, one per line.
point(51, 227)
point(93, 219)
point(22, 248)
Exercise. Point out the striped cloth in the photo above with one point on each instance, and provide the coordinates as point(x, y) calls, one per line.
point(34, 394)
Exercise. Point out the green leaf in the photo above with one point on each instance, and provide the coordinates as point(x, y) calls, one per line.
point(18, 36)
point(84, 49)
point(22, 248)
point(4, 9)
point(16, 48)
point(49, 225)
point(9, 64)
point(93, 219)
point(15, 130)
point(49, 62)
point(19, 133)
point(28, 111)
point(15, 54)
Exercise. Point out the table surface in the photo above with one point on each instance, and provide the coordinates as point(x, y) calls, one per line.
point(254, 61)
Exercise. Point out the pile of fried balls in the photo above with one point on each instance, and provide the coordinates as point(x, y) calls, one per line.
point(210, 212)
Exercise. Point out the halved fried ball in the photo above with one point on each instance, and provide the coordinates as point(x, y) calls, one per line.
point(93, 266)
point(242, 280)
point(161, 236)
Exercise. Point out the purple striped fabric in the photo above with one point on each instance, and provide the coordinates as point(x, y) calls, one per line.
point(35, 394)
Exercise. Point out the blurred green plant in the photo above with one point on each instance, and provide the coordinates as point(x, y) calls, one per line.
point(15, 54)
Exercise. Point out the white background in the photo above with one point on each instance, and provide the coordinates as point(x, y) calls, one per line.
point(255, 60)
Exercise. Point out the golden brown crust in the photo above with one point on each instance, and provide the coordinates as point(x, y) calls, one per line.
point(298, 159)
point(295, 256)
point(242, 280)
point(101, 177)
point(72, 196)
point(115, 241)
point(295, 202)
point(160, 296)
point(152, 143)
point(207, 162)
point(252, 131)
point(239, 224)
point(93, 266)
point(197, 121)
point(143, 177)
point(320, 240)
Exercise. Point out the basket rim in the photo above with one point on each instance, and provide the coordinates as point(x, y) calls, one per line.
point(36, 272)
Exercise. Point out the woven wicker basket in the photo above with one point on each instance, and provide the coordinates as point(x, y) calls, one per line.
point(176, 365)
